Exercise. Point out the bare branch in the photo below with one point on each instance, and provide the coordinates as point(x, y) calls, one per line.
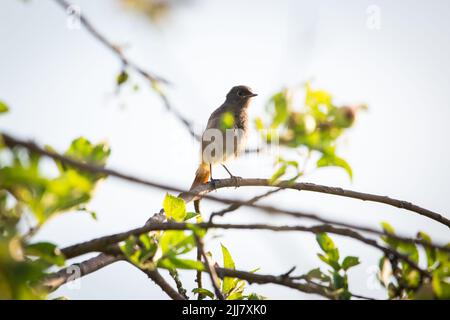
point(127, 63)
point(100, 244)
point(211, 271)
point(236, 206)
point(162, 283)
point(304, 186)
point(114, 48)
point(73, 272)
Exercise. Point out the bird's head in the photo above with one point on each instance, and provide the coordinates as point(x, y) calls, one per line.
point(240, 94)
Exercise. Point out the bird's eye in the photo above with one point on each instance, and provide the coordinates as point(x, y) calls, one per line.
point(240, 93)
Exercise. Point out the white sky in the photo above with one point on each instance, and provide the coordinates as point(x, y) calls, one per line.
point(59, 84)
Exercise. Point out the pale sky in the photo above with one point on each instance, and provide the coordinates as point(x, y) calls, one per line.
point(59, 84)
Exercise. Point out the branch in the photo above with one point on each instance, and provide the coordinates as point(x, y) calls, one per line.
point(100, 244)
point(181, 290)
point(282, 280)
point(226, 183)
point(202, 189)
point(162, 283)
point(304, 186)
point(114, 48)
point(211, 271)
point(77, 270)
point(236, 206)
point(152, 78)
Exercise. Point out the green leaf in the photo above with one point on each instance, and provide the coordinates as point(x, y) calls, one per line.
point(349, 262)
point(47, 251)
point(174, 207)
point(410, 250)
point(191, 215)
point(325, 242)
point(235, 296)
point(146, 241)
point(259, 124)
point(3, 107)
point(281, 114)
point(227, 259)
point(278, 174)
point(441, 286)
point(333, 160)
point(203, 291)
point(227, 120)
point(122, 78)
point(431, 253)
point(228, 283)
point(175, 263)
point(128, 246)
point(338, 280)
point(317, 274)
point(255, 296)
point(387, 228)
point(327, 245)
point(176, 242)
point(334, 264)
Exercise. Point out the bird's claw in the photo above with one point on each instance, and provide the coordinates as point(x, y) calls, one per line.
point(213, 182)
point(236, 180)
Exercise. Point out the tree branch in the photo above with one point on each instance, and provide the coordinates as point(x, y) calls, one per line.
point(127, 63)
point(285, 281)
point(236, 206)
point(181, 290)
point(204, 189)
point(200, 190)
point(304, 186)
point(211, 271)
point(114, 48)
point(77, 270)
point(100, 244)
point(162, 283)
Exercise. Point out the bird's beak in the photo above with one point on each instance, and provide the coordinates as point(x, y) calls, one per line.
point(252, 95)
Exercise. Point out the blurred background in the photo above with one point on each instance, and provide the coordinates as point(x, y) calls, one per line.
point(60, 84)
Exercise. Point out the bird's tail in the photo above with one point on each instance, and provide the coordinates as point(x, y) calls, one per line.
point(201, 176)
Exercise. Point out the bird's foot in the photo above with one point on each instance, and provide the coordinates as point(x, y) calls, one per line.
point(213, 182)
point(236, 180)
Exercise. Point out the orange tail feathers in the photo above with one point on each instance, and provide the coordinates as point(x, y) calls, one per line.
point(201, 176)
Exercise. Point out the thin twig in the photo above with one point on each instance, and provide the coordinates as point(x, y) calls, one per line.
point(114, 48)
point(128, 63)
point(236, 206)
point(181, 290)
point(198, 277)
point(78, 270)
point(162, 283)
point(211, 271)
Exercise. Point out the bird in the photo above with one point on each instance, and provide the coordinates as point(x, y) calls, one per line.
point(225, 136)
